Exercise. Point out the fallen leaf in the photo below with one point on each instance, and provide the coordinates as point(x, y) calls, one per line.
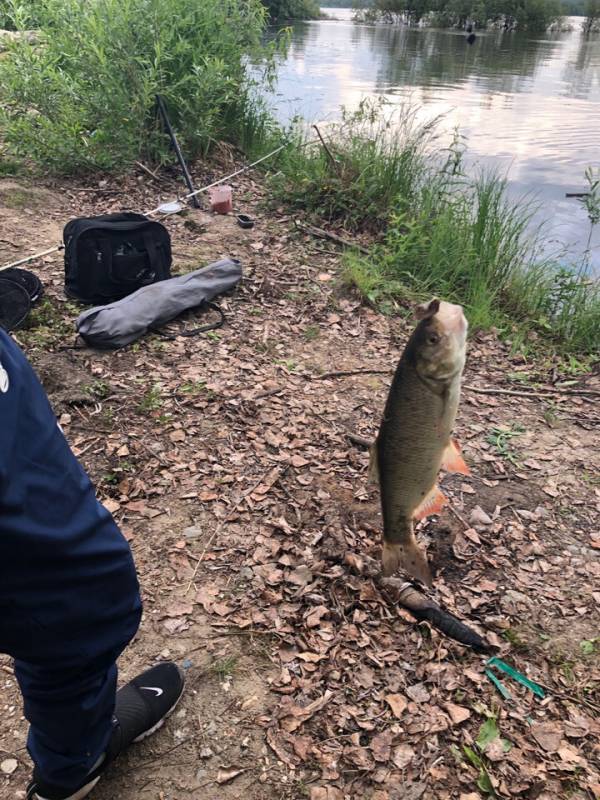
point(326, 793)
point(548, 735)
point(479, 517)
point(457, 714)
point(300, 576)
point(472, 535)
point(179, 609)
point(9, 765)
point(295, 716)
point(111, 505)
point(381, 746)
point(418, 693)
point(403, 755)
point(398, 704)
point(228, 775)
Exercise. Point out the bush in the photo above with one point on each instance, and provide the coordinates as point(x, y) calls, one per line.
point(532, 15)
point(372, 167)
point(85, 97)
point(17, 14)
point(292, 9)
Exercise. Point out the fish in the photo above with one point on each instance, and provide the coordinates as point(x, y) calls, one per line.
point(415, 437)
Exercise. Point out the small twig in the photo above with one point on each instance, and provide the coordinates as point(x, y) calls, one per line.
point(327, 150)
point(539, 393)
point(572, 698)
point(148, 170)
point(459, 517)
point(269, 393)
point(220, 526)
point(323, 234)
point(359, 440)
point(346, 373)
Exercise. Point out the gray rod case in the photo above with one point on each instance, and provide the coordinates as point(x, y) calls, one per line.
point(118, 324)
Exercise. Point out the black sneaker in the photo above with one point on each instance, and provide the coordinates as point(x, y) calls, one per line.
point(141, 708)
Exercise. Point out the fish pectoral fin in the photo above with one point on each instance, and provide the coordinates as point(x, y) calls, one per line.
point(373, 475)
point(433, 503)
point(452, 460)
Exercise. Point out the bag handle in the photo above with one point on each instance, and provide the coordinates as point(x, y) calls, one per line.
point(152, 251)
point(205, 304)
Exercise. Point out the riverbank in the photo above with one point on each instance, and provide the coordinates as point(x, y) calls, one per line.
point(436, 226)
point(225, 460)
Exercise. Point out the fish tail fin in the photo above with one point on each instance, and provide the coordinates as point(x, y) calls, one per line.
point(408, 556)
point(373, 475)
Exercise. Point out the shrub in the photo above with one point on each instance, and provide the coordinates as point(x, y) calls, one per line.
point(85, 97)
point(376, 158)
point(292, 9)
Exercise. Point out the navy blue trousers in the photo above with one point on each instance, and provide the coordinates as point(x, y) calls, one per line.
point(69, 596)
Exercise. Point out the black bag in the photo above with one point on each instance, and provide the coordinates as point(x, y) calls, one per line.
point(112, 256)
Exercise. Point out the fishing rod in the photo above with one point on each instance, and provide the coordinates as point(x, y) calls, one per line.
point(172, 207)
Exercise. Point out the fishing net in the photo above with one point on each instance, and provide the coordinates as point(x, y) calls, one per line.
point(15, 304)
point(28, 280)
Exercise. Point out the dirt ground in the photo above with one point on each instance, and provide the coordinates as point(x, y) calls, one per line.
point(225, 459)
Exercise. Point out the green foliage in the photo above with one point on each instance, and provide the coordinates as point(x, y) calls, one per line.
point(20, 14)
point(375, 159)
point(532, 15)
point(85, 97)
point(292, 9)
point(592, 14)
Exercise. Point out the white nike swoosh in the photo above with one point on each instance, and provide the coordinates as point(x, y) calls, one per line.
point(152, 689)
point(4, 380)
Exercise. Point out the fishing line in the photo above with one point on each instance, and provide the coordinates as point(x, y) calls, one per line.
point(175, 204)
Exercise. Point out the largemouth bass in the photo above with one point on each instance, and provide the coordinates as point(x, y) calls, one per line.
point(415, 438)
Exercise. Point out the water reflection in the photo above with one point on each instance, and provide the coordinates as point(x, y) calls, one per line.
point(529, 107)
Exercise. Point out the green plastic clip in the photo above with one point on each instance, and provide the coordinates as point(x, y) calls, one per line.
point(516, 676)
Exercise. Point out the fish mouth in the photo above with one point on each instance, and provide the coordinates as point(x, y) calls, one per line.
point(452, 318)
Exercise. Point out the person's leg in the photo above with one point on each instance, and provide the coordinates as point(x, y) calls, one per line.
point(69, 598)
point(68, 679)
point(68, 581)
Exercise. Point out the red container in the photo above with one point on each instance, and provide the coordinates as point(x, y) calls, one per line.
point(221, 199)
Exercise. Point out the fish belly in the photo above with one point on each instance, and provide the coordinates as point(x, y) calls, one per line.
point(411, 443)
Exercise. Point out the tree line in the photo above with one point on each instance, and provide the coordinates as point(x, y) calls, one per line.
point(530, 15)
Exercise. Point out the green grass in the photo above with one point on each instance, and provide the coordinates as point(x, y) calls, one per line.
point(151, 400)
point(225, 667)
point(372, 168)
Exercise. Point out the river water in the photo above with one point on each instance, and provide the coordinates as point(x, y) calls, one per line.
point(527, 106)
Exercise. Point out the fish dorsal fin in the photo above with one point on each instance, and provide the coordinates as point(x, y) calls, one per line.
point(452, 460)
point(432, 503)
point(373, 475)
